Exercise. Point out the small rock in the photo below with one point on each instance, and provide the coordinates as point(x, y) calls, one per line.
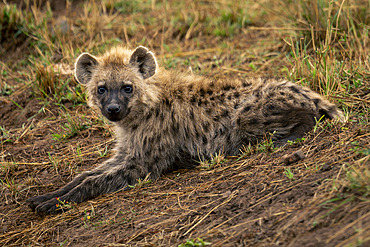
point(294, 157)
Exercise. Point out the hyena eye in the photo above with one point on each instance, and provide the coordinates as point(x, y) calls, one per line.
point(127, 89)
point(102, 90)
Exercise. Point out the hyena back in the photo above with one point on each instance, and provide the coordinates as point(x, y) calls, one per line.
point(165, 119)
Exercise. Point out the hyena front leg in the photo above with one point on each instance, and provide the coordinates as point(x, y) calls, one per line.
point(35, 201)
point(110, 180)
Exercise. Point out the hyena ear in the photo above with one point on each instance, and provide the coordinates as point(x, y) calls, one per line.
point(145, 61)
point(84, 67)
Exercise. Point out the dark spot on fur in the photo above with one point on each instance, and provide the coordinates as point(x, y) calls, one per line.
point(268, 122)
point(190, 87)
point(246, 109)
point(316, 102)
point(179, 94)
point(253, 121)
point(229, 97)
point(294, 89)
point(270, 107)
point(209, 92)
point(236, 106)
point(197, 135)
point(271, 95)
point(238, 121)
point(322, 113)
point(205, 140)
point(306, 97)
point(134, 127)
point(202, 92)
point(191, 113)
point(225, 113)
point(157, 139)
point(206, 126)
point(282, 93)
point(236, 94)
point(175, 127)
point(282, 100)
point(157, 111)
point(167, 101)
point(227, 87)
point(144, 141)
point(276, 113)
point(228, 139)
point(303, 104)
point(246, 84)
point(156, 159)
point(212, 98)
point(257, 93)
point(193, 99)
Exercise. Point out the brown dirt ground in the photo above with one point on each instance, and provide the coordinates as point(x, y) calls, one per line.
point(247, 201)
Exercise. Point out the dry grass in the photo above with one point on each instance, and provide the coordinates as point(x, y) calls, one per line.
point(47, 134)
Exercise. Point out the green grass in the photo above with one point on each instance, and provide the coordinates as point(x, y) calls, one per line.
point(195, 242)
point(74, 126)
point(289, 174)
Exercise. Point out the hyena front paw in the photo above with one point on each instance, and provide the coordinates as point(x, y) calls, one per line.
point(35, 201)
point(52, 206)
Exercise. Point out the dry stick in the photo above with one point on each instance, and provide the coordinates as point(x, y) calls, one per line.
point(283, 28)
point(41, 163)
point(357, 137)
point(226, 201)
point(178, 200)
point(27, 128)
point(193, 24)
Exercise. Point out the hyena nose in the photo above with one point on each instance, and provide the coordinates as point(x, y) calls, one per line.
point(113, 108)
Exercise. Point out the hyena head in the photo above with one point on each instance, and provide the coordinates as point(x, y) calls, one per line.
point(116, 81)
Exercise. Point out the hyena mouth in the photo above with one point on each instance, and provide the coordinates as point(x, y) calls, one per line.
point(114, 117)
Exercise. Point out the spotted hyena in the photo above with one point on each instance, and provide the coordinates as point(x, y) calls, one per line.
point(166, 119)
